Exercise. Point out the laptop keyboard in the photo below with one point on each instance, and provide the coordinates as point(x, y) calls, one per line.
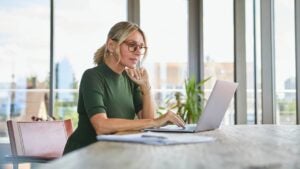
point(187, 127)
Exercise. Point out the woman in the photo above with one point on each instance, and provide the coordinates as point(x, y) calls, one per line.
point(114, 92)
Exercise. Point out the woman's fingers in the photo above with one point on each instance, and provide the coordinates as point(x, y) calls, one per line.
point(139, 76)
point(138, 73)
point(181, 122)
point(169, 117)
point(178, 121)
point(134, 73)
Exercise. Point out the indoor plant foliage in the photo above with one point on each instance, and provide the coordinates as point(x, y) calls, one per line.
point(189, 105)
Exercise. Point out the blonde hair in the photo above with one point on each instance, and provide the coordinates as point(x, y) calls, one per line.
point(119, 33)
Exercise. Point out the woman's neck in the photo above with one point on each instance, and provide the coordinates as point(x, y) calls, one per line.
point(114, 65)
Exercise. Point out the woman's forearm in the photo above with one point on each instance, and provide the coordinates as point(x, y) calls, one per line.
point(149, 107)
point(113, 125)
point(104, 125)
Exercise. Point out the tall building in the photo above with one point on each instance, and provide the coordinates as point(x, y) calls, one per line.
point(290, 84)
point(64, 79)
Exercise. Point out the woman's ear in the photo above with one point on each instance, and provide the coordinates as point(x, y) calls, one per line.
point(111, 45)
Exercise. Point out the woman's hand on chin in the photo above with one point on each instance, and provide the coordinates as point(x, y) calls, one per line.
point(139, 76)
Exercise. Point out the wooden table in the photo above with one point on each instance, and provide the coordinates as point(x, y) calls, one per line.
point(240, 146)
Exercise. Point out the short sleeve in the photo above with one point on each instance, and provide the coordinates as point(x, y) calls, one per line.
point(92, 92)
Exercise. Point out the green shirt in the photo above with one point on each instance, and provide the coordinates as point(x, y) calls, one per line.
point(103, 91)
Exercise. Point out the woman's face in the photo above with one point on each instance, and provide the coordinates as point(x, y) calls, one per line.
point(132, 49)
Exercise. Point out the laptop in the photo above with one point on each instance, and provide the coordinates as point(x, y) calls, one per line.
point(214, 111)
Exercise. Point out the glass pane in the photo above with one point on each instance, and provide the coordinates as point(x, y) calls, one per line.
point(285, 61)
point(81, 27)
point(24, 55)
point(167, 40)
point(218, 46)
point(258, 61)
point(250, 63)
point(253, 61)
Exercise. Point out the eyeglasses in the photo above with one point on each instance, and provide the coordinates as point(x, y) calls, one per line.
point(133, 47)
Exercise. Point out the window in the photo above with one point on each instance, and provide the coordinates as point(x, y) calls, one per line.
point(253, 55)
point(285, 61)
point(24, 55)
point(167, 40)
point(218, 45)
point(77, 37)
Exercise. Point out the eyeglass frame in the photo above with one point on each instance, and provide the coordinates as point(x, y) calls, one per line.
point(133, 47)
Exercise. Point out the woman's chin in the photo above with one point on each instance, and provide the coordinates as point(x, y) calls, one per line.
point(131, 66)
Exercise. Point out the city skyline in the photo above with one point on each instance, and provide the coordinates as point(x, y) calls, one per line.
point(25, 38)
point(74, 40)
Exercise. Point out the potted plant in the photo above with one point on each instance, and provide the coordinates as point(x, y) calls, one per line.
point(189, 105)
